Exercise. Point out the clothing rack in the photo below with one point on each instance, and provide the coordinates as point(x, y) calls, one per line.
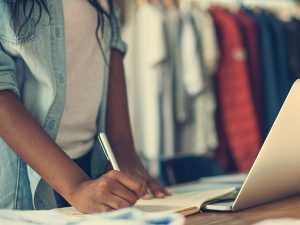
point(185, 4)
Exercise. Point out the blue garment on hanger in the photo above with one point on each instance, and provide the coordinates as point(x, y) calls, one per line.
point(280, 56)
point(292, 29)
point(269, 79)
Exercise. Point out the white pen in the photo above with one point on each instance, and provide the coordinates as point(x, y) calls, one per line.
point(108, 151)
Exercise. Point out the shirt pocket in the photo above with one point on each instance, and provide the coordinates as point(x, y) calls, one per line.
point(24, 31)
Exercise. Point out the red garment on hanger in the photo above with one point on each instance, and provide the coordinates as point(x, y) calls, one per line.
point(248, 30)
point(237, 112)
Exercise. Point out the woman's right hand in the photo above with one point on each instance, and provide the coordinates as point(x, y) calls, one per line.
point(113, 190)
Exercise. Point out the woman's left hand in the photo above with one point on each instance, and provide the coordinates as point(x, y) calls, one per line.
point(135, 169)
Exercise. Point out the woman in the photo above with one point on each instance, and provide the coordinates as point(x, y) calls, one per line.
point(61, 83)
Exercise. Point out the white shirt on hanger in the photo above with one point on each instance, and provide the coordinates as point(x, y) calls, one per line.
point(149, 53)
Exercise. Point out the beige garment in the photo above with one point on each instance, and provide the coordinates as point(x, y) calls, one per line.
point(208, 40)
point(205, 136)
point(198, 136)
point(85, 74)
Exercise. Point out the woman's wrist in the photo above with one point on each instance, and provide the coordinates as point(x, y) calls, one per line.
point(125, 150)
point(73, 189)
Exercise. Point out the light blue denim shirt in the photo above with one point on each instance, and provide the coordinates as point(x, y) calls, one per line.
point(34, 68)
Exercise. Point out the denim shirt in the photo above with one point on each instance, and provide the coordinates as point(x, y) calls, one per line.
point(34, 68)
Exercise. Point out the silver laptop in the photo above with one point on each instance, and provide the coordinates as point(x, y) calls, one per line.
point(275, 173)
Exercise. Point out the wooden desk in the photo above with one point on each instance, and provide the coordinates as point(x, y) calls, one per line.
point(280, 209)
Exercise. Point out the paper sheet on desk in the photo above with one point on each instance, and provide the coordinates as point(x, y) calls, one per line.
point(237, 178)
point(210, 183)
point(70, 216)
point(283, 221)
point(197, 187)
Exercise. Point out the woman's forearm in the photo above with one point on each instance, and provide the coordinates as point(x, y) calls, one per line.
point(117, 116)
point(118, 127)
point(28, 140)
point(113, 190)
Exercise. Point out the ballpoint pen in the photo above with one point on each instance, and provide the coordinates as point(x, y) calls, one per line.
point(108, 151)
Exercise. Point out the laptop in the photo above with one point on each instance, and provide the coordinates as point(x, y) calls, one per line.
point(275, 173)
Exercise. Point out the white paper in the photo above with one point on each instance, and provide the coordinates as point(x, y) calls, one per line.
point(283, 221)
point(228, 178)
point(70, 216)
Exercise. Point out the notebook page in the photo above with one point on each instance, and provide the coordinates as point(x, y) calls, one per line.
point(178, 202)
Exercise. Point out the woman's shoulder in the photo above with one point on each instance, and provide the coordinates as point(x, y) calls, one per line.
point(9, 28)
point(5, 19)
point(5, 5)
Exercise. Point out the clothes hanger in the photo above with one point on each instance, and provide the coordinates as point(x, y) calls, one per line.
point(286, 13)
point(154, 2)
point(195, 4)
point(296, 10)
point(170, 4)
point(140, 2)
point(200, 5)
point(235, 6)
point(176, 3)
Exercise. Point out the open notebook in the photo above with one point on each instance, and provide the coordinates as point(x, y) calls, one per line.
point(186, 203)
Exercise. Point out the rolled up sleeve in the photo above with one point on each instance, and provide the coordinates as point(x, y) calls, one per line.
point(8, 73)
point(117, 41)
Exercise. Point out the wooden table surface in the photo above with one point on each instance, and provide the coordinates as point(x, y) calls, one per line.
point(288, 208)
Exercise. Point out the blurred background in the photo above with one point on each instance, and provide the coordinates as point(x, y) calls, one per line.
point(206, 79)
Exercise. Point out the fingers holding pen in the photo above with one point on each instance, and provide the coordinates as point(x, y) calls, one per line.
point(137, 186)
point(113, 190)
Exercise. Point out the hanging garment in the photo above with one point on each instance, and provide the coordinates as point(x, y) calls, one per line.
point(149, 57)
point(174, 107)
point(174, 27)
point(192, 71)
point(193, 83)
point(293, 36)
point(248, 30)
point(236, 103)
point(130, 35)
point(208, 40)
point(152, 53)
point(167, 101)
point(271, 100)
point(205, 135)
point(280, 57)
point(197, 136)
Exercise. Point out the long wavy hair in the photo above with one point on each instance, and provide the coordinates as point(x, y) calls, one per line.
point(27, 8)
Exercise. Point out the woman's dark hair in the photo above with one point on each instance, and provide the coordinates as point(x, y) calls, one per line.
point(26, 8)
point(22, 15)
